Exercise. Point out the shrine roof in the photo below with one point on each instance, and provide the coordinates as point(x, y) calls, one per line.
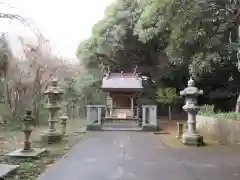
point(122, 81)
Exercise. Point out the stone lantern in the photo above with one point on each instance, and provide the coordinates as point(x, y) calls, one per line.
point(191, 93)
point(28, 125)
point(54, 94)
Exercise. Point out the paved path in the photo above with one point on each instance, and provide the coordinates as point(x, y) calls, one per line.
point(142, 156)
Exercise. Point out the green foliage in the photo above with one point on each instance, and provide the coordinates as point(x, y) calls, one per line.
point(114, 44)
point(167, 96)
point(169, 40)
point(5, 53)
point(197, 31)
point(208, 110)
point(83, 90)
point(30, 169)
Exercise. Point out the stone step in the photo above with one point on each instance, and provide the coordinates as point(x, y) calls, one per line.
point(121, 126)
point(6, 169)
point(121, 129)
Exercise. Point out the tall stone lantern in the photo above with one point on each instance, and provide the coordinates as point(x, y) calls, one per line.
point(191, 93)
point(54, 94)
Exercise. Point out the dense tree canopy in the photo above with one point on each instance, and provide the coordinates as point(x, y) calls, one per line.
point(169, 40)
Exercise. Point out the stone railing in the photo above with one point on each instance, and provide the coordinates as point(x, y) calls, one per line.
point(225, 131)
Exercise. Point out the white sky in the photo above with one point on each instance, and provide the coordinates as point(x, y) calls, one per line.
point(63, 22)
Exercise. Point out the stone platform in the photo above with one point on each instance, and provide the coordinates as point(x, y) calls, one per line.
point(192, 139)
point(149, 128)
point(6, 169)
point(35, 153)
point(121, 125)
point(94, 127)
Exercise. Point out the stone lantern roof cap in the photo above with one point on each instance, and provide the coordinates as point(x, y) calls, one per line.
point(191, 83)
point(54, 88)
point(54, 82)
point(191, 89)
point(64, 116)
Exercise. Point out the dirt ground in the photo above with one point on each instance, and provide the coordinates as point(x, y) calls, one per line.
point(31, 168)
point(168, 133)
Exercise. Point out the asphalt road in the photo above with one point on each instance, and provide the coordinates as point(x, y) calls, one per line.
point(141, 156)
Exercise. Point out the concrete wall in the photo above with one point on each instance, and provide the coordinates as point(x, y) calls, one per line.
point(222, 130)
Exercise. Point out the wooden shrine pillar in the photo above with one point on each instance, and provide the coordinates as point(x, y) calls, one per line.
point(132, 106)
point(109, 106)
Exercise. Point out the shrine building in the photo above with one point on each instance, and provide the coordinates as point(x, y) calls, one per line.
point(123, 90)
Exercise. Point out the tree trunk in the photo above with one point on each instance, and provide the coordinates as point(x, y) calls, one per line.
point(73, 115)
point(238, 54)
point(5, 84)
point(36, 103)
point(169, 114)
point(68, 111)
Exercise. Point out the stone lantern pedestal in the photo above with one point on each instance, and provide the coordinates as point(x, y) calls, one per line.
point(190, 136)
point(54, 94)
point(27, 127)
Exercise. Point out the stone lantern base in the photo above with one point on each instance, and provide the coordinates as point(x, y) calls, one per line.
point(94, 127)
point(192, 139)
point(51, 137)
point(149, 128)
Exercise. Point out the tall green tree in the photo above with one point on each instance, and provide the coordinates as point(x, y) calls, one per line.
point(167, 97)
point(169, 40)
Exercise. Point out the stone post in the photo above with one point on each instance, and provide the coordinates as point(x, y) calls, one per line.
point(180, 126)
point(137, 112)
point(149, 118)
point(191, 93)
point(144, 119)
point(94, 117)
point(64, 119)
point(27, 127)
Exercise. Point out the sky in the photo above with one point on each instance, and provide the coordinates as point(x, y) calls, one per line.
point(65, 23)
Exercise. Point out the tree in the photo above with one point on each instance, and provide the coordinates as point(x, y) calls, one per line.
point(113, 44)
point(167, 96)
point(6, 55)
point(169, 40)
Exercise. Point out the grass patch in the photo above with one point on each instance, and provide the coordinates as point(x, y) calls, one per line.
point(30, 169)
